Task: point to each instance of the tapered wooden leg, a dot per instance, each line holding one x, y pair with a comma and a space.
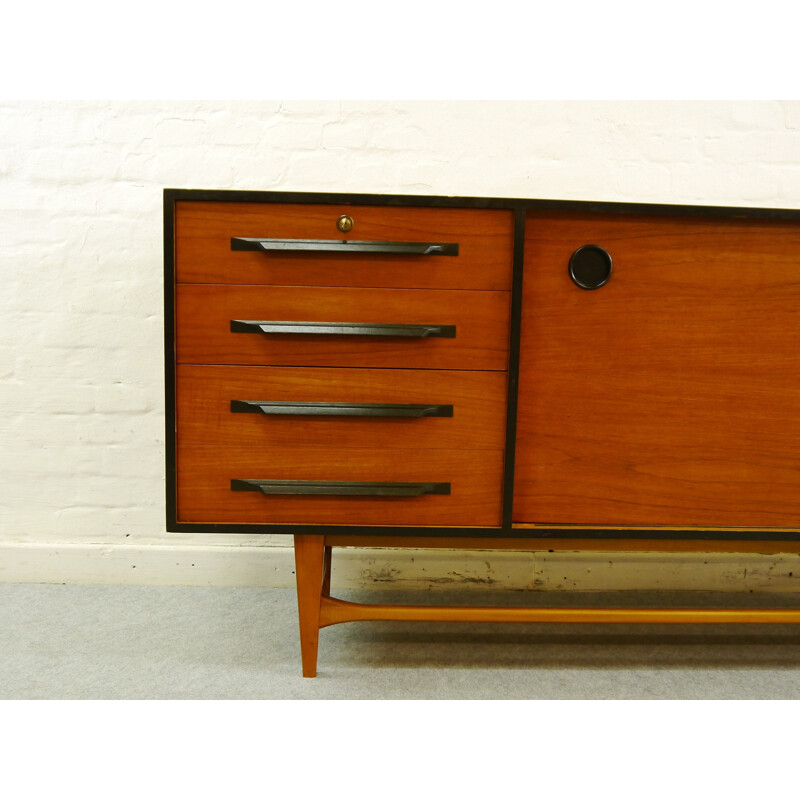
309, 551
326, 575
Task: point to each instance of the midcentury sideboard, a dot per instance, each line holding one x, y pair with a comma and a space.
482, 372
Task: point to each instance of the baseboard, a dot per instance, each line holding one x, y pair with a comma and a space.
147, 565
355, 568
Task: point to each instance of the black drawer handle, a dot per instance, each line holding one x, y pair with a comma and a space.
590, 267
340, 488
344, 329
275, 408
345, 246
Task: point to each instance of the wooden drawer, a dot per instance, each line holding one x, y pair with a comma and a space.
205, 472
458, 410
204, 255
480, 319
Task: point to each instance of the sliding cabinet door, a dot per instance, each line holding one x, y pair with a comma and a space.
670, 394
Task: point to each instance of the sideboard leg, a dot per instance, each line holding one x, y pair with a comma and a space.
326, 575
309, 561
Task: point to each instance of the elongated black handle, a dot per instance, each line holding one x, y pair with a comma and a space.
343, 246
276, 408
344, 329
340, 488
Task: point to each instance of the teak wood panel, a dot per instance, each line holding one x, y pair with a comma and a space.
203, 234
204, 313
671, 395
205, 496
205, 417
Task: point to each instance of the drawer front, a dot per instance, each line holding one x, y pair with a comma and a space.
318, 407
474, 481
474, 324
670, 395
204, 255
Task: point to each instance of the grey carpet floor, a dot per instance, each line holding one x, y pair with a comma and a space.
112, 642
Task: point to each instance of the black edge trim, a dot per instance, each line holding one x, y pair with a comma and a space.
500, 533
513, 365
322, 198
169, 360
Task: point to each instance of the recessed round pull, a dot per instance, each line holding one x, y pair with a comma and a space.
590, 266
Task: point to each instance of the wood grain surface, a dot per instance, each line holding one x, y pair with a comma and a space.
310, 557
205, 394
333, 611
529, 541
671, 396
203, 233
205, 496
204, 313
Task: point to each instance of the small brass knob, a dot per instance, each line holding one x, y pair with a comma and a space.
344, 223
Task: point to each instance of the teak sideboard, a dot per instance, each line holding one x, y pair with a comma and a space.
481, 372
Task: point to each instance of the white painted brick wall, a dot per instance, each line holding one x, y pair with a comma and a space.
81, 386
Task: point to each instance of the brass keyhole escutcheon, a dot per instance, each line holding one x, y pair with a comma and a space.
344, 223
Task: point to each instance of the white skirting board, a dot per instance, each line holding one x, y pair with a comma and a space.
354, 568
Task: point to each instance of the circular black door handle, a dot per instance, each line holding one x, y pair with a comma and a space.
590, 267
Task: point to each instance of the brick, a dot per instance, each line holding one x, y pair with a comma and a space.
714, 184
104, 491
347, 135
788, 181
254, 171
125, 125
29, 124
119, 398
773, 147
791, 114
297, 135
373, 174
318, 170
309, 108
672, 147
650, 182
756, 115
399, 134
180, 130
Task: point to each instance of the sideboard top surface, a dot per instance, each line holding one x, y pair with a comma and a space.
349, 198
